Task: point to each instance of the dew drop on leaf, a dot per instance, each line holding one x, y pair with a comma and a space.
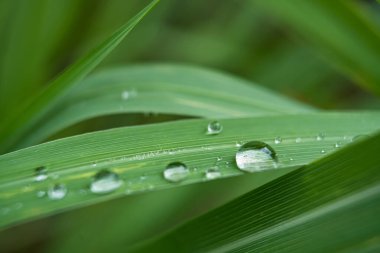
214, 127
320, 137
40, 194
213, 173
277, 140
176, 172
105, 181
57, 191
40, 174
256, 156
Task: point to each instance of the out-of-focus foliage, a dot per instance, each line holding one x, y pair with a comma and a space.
320, 53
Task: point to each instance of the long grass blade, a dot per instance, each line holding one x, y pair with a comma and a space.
140, 154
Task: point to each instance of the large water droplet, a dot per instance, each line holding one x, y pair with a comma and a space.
41, 174
214, 127
105, 181
256, 156
176, 172
58, 191
213, 173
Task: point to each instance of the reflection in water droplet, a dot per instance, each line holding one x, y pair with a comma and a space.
277, 140
256, 156
214, 127
41, 174
213, 173
176, 172
105, 181
320, 137
298, 139
58, 191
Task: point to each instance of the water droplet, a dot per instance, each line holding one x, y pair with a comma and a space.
320, 137
338, 144
239, 144
323, 151
256, 156
41, 174
127, 94
277, 140
213, 173
176, 172
218, 159
214, 127
40, 194
105, 181
58, 191
298, 139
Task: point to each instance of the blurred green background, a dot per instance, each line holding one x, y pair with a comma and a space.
249, 39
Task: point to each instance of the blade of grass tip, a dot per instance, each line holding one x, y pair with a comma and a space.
56, 91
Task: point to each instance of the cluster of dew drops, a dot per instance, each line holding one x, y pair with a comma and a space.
252, 156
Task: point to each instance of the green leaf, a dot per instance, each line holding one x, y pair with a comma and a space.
331, 205
140, 154
342, 31
45, 104
162, 88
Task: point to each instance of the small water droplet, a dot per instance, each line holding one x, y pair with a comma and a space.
40, 194
256, 156
41, 174
218, 159
213, 173
176, 172
128, 94
105, 181
298, 139
320, 137
57, 191
214, 127
323, 151
338, 144
239, 144
277, 140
